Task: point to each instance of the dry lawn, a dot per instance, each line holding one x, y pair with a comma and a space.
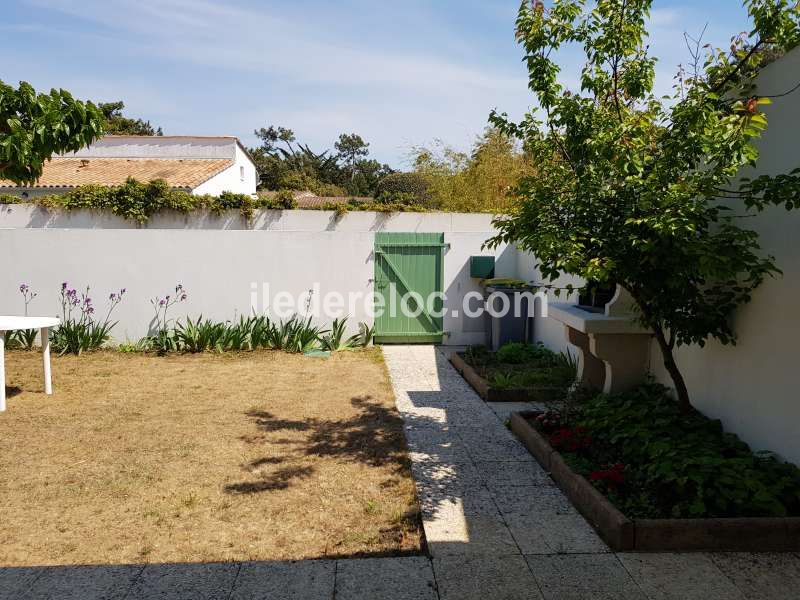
258, 456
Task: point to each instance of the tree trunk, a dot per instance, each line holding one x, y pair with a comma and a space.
672, 368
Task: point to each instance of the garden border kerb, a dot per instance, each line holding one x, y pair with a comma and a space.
757, 534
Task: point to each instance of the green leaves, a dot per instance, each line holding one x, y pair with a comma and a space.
683, 465
34, 127
138, 201
641, 190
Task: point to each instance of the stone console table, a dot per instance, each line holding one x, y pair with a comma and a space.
615, 348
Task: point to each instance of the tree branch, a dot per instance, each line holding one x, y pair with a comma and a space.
739, 66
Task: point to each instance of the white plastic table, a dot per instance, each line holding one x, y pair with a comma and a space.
14, 323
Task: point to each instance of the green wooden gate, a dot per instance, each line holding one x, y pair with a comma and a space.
409, 265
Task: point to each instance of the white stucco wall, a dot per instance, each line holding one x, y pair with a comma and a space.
752, 387
548, 331
240, 178
218, 258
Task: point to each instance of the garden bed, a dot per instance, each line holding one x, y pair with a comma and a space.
705, 493
516, 373
201, 458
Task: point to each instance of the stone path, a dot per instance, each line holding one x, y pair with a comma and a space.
496, 527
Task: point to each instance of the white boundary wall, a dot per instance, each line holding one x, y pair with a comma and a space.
218, 258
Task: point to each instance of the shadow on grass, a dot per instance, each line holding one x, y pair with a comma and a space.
279, 480
373, 437
13, 390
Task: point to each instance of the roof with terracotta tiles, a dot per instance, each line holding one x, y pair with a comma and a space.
73, 172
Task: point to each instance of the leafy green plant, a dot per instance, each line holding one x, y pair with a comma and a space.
37, 126
138, 201
676, 464
366, 334
281, 334
199, 335
305, 336
22, 338
517, 353
285, 200
79, 331
335, 340
231, 201
506, 381
142, 345
567, 362
261, 329
295, 335
195, 335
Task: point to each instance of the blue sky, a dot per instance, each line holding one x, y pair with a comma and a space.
398, 73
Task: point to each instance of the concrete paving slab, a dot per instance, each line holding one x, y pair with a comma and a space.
555, 534
405, 578
494, 432
285, 580
455, 453
583, 577
209, 581
495, 449
424, 438
425, 417
762, 576
106, 582
472, 416
679, 577
532, 500
512, 473
484, 578
436, 473
452, 498
15, 580
469, 535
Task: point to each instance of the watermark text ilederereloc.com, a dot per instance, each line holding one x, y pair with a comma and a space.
395, 301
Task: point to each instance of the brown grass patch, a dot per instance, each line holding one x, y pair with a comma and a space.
202, 458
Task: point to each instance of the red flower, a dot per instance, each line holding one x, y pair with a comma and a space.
613, 476
571, 440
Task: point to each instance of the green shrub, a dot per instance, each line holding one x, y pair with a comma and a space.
679, 465
232, 201
132, 200
329, 190
403, 188
138, 201
282, 200
297, 181
517, 353
285, 200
